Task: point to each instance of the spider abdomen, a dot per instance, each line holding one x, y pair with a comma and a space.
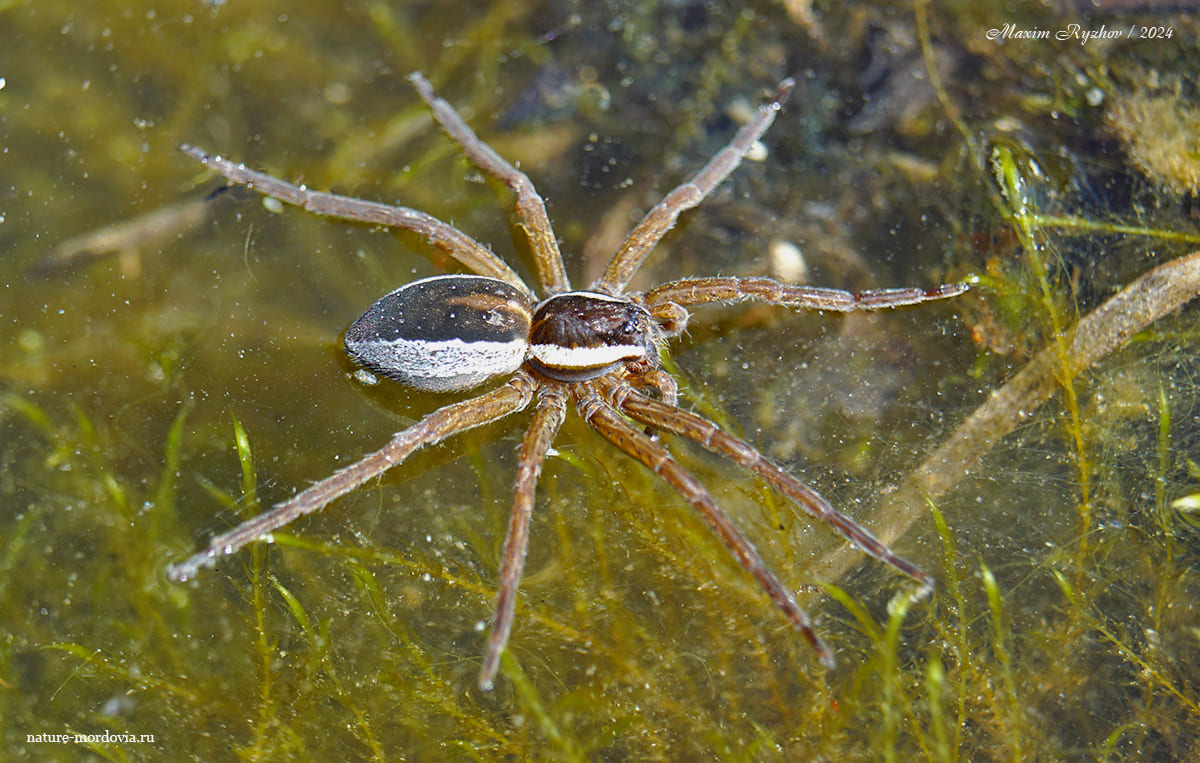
444, 333
581, 335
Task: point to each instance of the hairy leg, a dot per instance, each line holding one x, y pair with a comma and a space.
444, 236
662, 217
551, 409
435, 427
530, 208
601, 416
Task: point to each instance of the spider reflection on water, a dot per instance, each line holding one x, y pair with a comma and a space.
597, 347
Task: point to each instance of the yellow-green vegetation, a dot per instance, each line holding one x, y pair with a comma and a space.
1033, 444
1160, 126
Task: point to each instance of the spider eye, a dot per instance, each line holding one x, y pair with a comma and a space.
444, 333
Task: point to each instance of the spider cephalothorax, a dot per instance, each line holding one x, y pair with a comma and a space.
598, 347
581, 335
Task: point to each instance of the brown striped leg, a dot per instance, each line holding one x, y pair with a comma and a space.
708, 435
531, 210
551, 409
662, 218
452, 241
698, 291
601, 416
435, 427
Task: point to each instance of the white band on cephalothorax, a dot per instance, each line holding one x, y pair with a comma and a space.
557, 356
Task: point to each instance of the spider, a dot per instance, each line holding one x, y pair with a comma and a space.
598, 348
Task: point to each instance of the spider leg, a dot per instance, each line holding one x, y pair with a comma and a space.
662, 217
603, 417
531, 210
708, 435
551, 409
437, 426
642, 375
475, 256
697, 291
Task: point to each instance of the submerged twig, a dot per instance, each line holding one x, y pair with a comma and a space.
127, 237
1150, 297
